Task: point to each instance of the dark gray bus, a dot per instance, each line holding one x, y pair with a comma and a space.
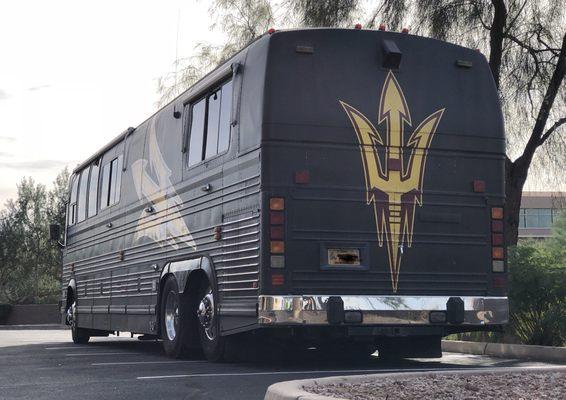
321, 187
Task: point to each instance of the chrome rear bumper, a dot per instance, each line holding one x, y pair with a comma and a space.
380, 310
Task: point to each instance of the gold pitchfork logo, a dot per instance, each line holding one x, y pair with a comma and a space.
394, 186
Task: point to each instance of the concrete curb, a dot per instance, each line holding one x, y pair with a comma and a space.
33, 327
520, 351
294, 390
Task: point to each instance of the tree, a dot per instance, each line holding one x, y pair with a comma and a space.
241, 20
525, 43
29, 261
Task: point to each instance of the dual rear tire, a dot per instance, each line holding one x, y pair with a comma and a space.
188, 320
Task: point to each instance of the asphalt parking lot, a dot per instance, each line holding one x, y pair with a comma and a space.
45, 364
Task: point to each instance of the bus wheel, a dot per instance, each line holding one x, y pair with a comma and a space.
212, 343
174, 320
79, 335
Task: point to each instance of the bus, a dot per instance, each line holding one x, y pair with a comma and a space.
329, 188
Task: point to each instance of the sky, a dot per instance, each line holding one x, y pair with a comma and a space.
75, 74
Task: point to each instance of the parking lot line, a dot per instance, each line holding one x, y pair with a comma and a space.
343, 371
92, 353
146, 362
354, 371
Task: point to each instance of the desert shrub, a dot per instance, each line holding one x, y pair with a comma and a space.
537, 295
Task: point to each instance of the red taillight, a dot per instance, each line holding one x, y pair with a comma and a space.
499, 282
302, 177
276, 218
479, 186
276, 232
497, 239
497, 213
277, 280
497, 226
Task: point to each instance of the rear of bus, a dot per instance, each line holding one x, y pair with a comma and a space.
383, 187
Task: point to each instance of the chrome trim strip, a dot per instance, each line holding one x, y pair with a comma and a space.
380, 310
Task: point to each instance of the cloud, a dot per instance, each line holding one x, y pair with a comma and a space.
34, 165
3, 94
38, 87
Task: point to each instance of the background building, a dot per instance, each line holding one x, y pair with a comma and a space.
538, 211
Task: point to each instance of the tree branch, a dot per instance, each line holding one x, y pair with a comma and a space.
549, 132
546, 106
496, 35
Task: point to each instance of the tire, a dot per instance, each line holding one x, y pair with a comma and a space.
79, 335
213, 345
175, 320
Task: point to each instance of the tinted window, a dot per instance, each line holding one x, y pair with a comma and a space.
83, 191
105, 186
72, 212
111, 183
212, 119
115, 181
93, 190
210, 125
225, 114
197, 132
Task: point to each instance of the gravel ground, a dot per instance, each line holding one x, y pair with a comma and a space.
515, 386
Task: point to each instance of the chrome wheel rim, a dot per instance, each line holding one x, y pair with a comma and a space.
172, 315
206, 315
72, 315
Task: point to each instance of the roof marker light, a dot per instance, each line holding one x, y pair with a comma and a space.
271, 30
381, 27
405, 30
358, 26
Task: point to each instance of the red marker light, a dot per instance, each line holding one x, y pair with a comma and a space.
271, 31
381, 27
405, 30
358, 26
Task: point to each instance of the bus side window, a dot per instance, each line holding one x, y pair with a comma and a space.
72, 211
196, 132
93, 190
81, 203
225, 116
111, 182
210, 125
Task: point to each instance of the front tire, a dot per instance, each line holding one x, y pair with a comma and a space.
79, 335
175, 320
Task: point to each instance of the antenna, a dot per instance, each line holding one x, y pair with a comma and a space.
177, 49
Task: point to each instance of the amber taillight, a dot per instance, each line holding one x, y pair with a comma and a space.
497, 240
277, 238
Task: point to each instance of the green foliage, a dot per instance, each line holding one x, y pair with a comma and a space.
29, 261
538, 290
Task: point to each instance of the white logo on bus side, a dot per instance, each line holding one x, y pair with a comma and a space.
174, 231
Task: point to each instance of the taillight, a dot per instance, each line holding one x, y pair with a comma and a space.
497, 240
277, 237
